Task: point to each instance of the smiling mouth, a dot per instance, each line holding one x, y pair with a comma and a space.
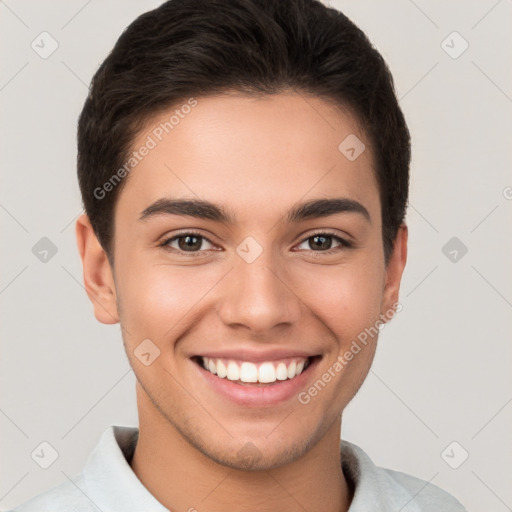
247, 373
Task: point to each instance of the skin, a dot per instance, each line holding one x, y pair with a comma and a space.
257, 158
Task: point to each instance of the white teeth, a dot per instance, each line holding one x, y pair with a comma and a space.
221, 369
281, 372
233, 371
266, 372
291, 369
248, 372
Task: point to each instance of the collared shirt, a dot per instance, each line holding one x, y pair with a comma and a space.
108, 484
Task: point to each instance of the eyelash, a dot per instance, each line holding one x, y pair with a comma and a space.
344, 244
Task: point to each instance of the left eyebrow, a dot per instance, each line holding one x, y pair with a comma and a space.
324, 207
201, 209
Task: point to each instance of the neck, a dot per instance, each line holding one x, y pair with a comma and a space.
182, 478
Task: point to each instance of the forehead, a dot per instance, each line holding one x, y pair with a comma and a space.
251, 155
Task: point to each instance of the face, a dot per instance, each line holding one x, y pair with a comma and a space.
283, 267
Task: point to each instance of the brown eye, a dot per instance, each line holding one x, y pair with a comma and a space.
320, 242
186, 243
323, 242
190, 242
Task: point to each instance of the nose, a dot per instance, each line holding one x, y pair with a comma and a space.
259, 297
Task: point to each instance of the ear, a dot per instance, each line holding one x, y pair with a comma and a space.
97, 273
394, 271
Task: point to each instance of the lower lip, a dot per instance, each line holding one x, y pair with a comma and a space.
258, 396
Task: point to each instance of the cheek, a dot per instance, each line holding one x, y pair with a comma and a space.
156, 298
347, 304
346, 298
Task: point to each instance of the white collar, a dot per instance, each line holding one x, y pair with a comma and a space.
112, 485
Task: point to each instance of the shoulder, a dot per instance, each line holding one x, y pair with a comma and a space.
383, 489
426, 495
66, 497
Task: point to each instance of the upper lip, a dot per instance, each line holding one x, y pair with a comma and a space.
256, 356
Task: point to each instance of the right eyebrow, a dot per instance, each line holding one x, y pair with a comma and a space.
188, 207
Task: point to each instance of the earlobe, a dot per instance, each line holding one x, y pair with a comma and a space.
97, 273
394, 271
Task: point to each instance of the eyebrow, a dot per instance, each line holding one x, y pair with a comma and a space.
202, 209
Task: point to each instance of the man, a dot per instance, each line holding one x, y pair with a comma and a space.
244, 169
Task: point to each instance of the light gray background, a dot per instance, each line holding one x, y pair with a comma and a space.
442, 370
